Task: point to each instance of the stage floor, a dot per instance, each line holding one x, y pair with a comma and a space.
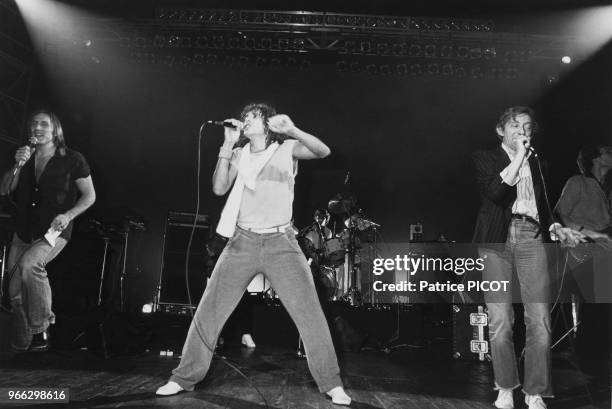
416, 377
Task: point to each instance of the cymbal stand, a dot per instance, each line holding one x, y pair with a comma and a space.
99, 327
106, 241
126, 234
353, 295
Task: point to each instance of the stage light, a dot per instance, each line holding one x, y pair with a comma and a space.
399, 49
475, 53
490, 53
366, 47
382, 48
416, 69
201, 42
349, 47
249, 43
566, 59
430, 51
299, 44
477, 73
414, 50
463, 52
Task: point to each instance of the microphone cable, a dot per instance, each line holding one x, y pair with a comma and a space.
200, 330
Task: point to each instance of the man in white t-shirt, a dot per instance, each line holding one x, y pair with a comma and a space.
258, 162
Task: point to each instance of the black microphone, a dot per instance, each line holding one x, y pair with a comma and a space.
225, 124
32, 146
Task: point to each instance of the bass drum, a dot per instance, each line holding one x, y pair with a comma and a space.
333, 252
328, 284
259, 284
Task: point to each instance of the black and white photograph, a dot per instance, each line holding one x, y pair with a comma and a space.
306, 204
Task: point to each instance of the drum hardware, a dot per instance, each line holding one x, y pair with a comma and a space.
301, 351
117, 223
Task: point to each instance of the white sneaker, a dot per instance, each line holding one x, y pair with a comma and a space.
171, 388
535, 402
338, 396
247, 341
504, 400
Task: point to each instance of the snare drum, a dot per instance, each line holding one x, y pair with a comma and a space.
333, 252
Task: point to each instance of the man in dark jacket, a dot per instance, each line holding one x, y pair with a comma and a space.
512, 227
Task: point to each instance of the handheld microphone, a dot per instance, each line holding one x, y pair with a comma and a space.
225, 124
530, 149
32, 146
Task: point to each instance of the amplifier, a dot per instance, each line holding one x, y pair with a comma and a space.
171, 290
470, 332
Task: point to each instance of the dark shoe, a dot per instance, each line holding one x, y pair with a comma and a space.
40, 342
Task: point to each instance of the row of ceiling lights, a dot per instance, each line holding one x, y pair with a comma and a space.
349, 47
354, 21
432, 69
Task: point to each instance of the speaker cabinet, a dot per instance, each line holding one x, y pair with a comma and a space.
172, 283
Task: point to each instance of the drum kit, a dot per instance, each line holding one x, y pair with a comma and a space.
333, 254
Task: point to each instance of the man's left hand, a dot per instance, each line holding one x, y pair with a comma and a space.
281, 124
60, 222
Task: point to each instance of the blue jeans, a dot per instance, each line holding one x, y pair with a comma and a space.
29, 289
279, 258
526, 254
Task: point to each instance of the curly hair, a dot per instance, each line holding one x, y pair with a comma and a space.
265, 111
58, 133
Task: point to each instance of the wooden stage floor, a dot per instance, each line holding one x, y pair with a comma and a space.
403, 379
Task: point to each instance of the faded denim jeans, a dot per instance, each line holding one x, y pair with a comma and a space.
279, 258
29, 289
525, 253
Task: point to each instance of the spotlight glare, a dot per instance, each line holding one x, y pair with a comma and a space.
566, 59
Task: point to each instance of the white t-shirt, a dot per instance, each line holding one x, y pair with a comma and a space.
271, 203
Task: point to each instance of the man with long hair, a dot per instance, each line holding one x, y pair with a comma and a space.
51, 185
261, 164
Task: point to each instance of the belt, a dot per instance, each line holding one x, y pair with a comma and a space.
276, 229
525, 218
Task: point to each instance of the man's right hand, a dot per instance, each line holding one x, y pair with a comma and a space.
522, 144
232, 134
23, 154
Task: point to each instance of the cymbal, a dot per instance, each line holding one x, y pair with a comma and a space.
340, 204
359, 222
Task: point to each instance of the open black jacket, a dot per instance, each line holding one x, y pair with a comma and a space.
497, 197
